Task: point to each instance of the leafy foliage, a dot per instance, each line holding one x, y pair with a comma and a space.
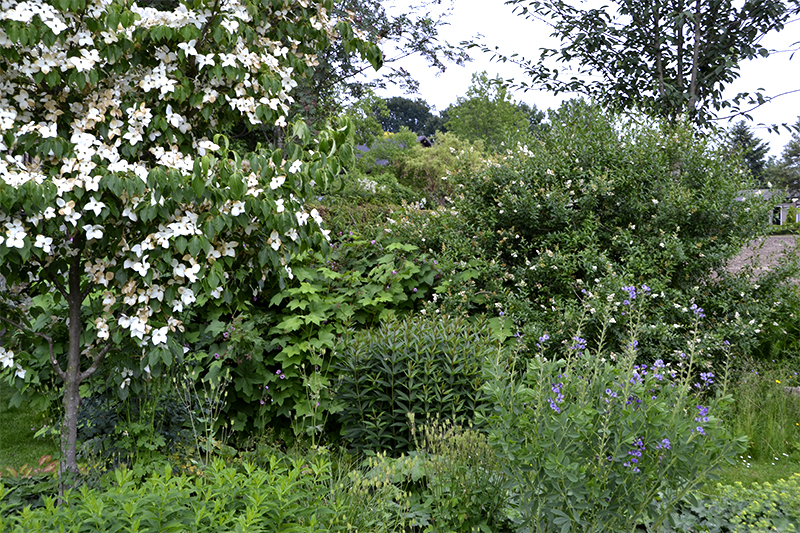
760, 507
414, 32
766, 409
464, 485
589, 201
416, 368
285, 494
280, 356
785, 172
488, 113
415, 115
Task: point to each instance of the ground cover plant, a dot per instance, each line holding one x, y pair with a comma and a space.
758, 507
282, 495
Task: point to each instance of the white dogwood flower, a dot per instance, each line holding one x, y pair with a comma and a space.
6, 357
44, 243
274, 240
276, 182
160, 336
93, 231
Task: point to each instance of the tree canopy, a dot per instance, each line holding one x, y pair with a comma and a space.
785, 171
415, 115
488, 112
414, 32
752, 149
668, 57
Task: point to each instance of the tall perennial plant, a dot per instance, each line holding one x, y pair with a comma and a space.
596, 440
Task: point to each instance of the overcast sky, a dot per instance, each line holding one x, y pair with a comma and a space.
500, 27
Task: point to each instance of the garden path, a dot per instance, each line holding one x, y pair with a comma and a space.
766, 252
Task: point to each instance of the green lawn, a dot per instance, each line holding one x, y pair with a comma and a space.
17, 427
759, 472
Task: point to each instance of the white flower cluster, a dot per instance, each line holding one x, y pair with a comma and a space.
108, 102
127, 121
7, 361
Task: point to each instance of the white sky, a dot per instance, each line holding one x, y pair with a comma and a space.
500, 27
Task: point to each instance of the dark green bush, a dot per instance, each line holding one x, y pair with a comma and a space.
418, 367
605, 200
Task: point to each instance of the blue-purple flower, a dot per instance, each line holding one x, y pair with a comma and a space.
580, 344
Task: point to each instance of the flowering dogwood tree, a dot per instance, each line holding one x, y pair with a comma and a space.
116, 197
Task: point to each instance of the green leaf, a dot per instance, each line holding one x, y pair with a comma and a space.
290, 324
198, 186
195, 245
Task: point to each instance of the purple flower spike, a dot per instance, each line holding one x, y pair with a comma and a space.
697, 311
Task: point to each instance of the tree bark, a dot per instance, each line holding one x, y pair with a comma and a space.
698, 41
72, 381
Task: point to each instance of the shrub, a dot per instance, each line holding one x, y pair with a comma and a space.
597, 196
416, 366
279, 352
600, 198
386, 150
432, 170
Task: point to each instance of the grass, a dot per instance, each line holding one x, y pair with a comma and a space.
18, 446
767, 413
748, 472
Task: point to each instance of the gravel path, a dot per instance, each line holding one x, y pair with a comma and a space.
765, 252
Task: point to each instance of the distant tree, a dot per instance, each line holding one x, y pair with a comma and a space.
753, 150
488, 113
785, 172
668, 57
366, 114
536, 118
791, 152
413, 114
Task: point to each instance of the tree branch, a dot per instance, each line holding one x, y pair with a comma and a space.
46, 337
657, 43
85, 292
96, 361
695, 58
766, 101
679, 53
59, 286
